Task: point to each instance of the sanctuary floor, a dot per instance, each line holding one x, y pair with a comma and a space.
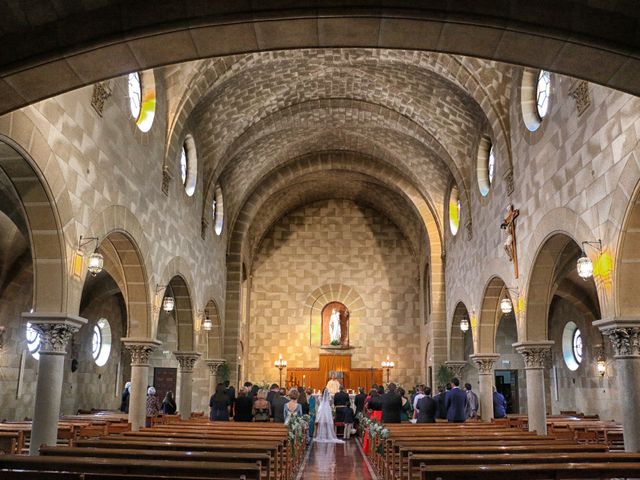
329, 461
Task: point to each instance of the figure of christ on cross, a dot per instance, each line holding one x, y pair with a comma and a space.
510, 246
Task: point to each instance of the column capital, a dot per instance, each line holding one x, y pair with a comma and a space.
534, 353
55, 329
624, 335
456, 366
484, 362
187, 360
214, 364
140, 349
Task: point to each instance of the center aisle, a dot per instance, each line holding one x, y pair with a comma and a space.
330, 461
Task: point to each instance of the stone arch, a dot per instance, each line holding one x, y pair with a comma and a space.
550, 261
334, 292
458, 339
119, 230
50, 289
179, 289
627, 278
490, 314
514, 35
214, 337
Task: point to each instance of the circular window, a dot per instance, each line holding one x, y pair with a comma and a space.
101, 342
485, 166
33, 341
135, 94
543, 92
572, 346
218, 210
454, 210
189, 165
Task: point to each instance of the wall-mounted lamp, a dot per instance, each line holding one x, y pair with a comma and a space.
168, 302
96, 260
601, 362
207, 324
584, 263
505, 304
464, 325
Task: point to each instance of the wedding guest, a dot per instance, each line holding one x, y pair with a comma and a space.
126, 394
406, 411
220, 405
359, 400
341, 401
169, 404
153, 405
419, 393
441, 403
472, 402
391, 405
278, 402
427, 408
292, 407
244, 406
312, 411
456, 402
261, 407
499, 404
275, 388
303, 401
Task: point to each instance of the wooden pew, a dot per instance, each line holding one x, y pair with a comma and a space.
536, 471
130, 466
11, 442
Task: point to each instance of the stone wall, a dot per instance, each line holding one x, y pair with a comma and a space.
335, 242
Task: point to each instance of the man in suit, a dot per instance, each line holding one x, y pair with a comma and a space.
359, 400
391, 405
341, 401
275, 388
278, 402
456, 403
472, 401
426, 407
441, 403
499, 404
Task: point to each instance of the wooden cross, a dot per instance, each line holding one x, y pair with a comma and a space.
510, 245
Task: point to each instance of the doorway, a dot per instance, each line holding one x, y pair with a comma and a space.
165, 379
507, 385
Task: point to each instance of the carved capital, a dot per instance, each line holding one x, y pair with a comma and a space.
214, 364
187, 360
55, 330
485, 362
624, 335
534, 354
456, 367
140, 349
580, 93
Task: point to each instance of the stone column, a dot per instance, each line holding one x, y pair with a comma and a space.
140, 349
535, 354
484, 362
625, 338
456, 367
213, 364
186, 361
55, 332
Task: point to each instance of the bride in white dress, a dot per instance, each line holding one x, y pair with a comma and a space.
324, 421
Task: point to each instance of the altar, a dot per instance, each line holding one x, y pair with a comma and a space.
340, 364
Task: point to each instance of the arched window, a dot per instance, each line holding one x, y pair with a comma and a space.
454, 210
101, 342
33, 341
142, 99
535, 95
218, 210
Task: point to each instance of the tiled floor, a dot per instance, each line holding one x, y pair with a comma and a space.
330, 461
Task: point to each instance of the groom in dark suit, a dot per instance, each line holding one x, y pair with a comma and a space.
391, 405
341, 401
456, 403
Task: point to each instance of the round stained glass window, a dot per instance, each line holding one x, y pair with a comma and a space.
101, 342
135, 94
33, 341
543, 92
572, 346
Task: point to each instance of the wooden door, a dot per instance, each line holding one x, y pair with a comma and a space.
165, 379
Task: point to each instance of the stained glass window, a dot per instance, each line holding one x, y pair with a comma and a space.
543, 92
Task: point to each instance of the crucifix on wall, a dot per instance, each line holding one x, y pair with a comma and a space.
510, 245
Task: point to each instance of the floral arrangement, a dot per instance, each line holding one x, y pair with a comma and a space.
375, 429
335, 343
297, 426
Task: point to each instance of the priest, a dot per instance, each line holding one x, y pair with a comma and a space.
333, 385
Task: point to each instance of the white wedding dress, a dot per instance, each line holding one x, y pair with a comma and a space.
325, 432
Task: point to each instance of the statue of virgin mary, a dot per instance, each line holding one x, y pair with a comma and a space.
335, 333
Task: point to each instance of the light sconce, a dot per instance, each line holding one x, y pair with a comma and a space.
505, 304
464, 325
584, 264
601, 363
207, 324
168, 302
96, 260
